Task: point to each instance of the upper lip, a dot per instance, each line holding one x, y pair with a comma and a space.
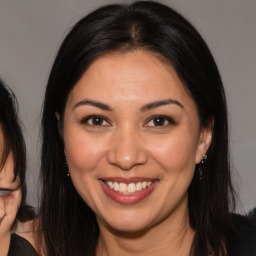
128, 180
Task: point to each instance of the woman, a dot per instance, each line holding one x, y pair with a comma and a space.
12, 178
135, 157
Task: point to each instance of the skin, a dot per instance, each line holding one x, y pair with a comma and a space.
130, 142
9, 205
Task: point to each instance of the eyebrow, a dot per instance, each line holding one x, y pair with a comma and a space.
146, 107
160, 103
93, 103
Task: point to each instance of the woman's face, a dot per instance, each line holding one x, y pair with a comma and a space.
132, 139
7, 172
10, 192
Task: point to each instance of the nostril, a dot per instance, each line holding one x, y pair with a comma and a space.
127, 157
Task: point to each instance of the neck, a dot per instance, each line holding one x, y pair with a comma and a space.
173, 236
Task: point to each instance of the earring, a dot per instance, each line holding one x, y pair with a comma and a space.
204, 156
66, 165
200, 168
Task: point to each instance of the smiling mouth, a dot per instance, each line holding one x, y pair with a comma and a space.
129, 188
128, 191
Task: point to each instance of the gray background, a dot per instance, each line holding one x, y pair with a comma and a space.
31, 31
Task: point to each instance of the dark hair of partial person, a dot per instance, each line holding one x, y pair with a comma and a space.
14, 142
69, 225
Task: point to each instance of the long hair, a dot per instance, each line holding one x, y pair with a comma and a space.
14, 142
69, 226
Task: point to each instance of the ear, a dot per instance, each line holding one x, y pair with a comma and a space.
60, 128
57, 115
205, 140
59, 124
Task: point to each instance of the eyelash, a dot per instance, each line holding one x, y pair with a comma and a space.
101, 119
87, 119
5, 192
167, 119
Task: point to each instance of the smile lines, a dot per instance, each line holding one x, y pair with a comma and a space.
130, 188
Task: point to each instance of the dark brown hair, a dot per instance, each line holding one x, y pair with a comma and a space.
69, 225
14, 142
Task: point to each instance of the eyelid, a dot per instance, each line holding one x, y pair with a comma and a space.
87, 118
5, 192
168, 118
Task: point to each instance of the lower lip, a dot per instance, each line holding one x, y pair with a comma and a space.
127, 198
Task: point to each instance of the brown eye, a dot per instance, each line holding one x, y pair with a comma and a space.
160, 121
95, 121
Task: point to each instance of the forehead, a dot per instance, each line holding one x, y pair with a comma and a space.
137, 75
2, 146
7, 168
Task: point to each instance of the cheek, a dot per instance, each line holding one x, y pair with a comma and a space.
176, 153
176, 159
83, 153
14, 195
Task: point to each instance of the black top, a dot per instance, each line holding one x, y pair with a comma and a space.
242, 237
19, 246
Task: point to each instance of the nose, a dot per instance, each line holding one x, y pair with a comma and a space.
127, 150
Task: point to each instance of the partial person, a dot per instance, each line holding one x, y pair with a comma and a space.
135, 147
13, 208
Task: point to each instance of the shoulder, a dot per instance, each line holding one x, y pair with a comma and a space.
242, 235
20, 246
252, 216
25, 231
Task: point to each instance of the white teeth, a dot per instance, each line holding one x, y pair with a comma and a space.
110, 184
138, 186
116, 186
122, 188
130, 188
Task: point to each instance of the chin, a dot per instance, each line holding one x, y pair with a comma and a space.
127, 230
127, 224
